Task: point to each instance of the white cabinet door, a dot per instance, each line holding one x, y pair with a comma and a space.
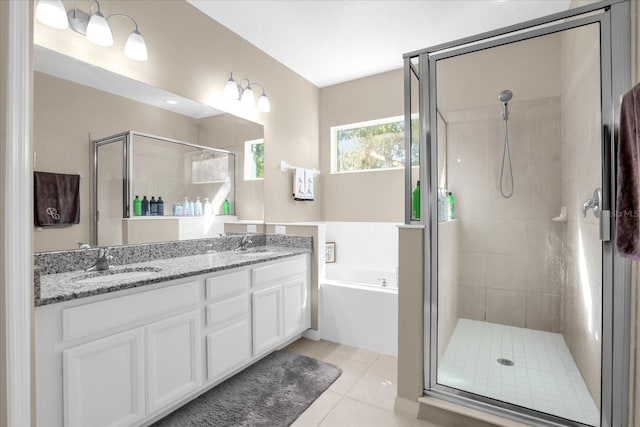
228, 348
295, 306
173, 359
267, 318
104, 381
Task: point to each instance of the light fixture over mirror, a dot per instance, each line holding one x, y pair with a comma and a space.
93, 25
243, 92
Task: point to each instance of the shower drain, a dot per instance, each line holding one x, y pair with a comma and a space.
505, 362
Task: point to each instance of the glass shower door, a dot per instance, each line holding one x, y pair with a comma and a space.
519, 297
109, 192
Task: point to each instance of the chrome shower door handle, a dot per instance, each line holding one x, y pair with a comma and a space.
595, 202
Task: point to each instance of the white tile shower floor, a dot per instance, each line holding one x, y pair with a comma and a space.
543, 377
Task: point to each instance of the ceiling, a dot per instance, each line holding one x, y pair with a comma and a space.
333, 41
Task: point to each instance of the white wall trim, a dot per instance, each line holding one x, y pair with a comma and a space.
18, 274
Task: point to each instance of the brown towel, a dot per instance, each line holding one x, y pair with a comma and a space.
628, 197
56, 199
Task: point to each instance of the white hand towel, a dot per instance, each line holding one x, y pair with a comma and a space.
309, 174
299, 183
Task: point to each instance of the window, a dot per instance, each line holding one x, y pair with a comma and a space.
254, 159
367, 146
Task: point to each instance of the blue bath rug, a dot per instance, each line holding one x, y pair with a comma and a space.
273, 392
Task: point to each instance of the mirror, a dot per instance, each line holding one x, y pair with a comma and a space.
75, 103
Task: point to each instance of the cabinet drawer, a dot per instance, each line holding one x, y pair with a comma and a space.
222, 312
227, 284
88, 319
277, 272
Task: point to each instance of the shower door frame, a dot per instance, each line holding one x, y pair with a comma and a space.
613, 18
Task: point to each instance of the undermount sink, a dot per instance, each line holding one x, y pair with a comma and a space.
116, 274
258, 251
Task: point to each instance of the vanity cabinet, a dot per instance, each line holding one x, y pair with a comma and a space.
129, 357
172, 359
280, 307
104, 381
228, 318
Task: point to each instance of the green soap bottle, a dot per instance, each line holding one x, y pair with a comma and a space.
226, 207
137, 206
415, 202
450, 204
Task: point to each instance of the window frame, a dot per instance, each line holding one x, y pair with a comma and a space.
248, 159
334, 142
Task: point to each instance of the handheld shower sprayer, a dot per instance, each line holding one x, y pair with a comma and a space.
504, 97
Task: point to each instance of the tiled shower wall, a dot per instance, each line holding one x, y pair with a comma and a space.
581, 174
510, 250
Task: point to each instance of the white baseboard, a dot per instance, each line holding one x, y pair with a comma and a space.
311, 334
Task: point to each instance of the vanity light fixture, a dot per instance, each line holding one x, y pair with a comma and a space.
243, 92
93, 25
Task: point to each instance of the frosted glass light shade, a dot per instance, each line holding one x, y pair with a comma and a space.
52, 14
98, 30
248, 98
231, 90
263, 104
136, 48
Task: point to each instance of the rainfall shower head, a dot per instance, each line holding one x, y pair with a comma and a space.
505, 96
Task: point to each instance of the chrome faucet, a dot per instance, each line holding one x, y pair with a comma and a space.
244, 242
102, 261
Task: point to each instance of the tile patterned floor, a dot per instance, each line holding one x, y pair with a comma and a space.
363, 396
544, 376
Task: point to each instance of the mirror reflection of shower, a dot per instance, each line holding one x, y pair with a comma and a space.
504, 97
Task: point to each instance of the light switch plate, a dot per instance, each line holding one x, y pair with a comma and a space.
251, 228
281, 229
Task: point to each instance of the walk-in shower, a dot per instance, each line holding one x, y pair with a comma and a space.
518, 302
504, 97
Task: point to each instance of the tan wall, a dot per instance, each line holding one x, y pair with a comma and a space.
581, 174
4, 26
191, 55
410, 313
365, 196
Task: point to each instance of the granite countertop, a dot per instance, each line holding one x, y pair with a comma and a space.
58, 287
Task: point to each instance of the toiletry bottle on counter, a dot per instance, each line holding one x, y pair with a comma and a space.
160, 206
415, 202
179, 210
207, 207
226, 207
137, 206
153, 206
145, 206
185, 208
192, 208
450, 205
198, 207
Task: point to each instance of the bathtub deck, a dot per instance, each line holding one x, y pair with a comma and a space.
544, 376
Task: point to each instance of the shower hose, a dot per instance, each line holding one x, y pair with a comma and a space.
506, 155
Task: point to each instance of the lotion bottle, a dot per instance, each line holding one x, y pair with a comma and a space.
145, 206
198, 207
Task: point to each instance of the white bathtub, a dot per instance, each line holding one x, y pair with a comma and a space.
357, 310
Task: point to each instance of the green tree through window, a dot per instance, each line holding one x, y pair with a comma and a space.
374, 146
